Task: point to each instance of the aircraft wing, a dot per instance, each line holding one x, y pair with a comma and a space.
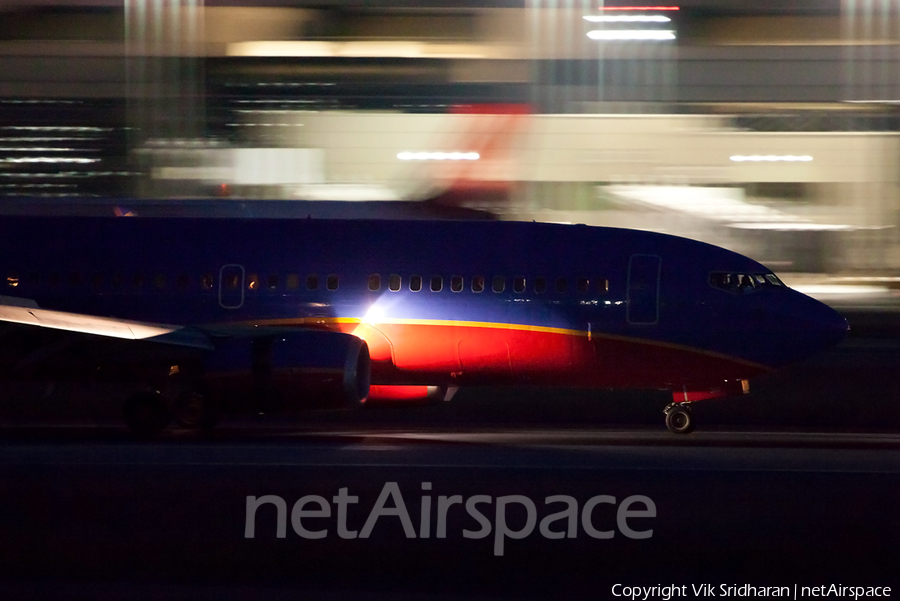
26, 311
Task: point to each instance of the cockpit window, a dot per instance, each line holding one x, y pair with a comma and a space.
743, 283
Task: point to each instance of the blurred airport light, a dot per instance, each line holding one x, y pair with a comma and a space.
438, 156
410, 49
626, 19
771, 130
724, 205
640, 8
632, 34
770, 158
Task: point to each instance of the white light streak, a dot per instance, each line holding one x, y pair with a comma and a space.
358, 49
438, 156
45, 139
50, 160
725, 205
793, 226
654, 35
656, 8
70, 174
837, 289
627, 19
77, 128
35, 149
770, 158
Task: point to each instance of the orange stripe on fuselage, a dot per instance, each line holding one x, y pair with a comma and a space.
429, 351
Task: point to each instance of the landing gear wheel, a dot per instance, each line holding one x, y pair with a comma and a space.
193, 410
679, 419
146, 414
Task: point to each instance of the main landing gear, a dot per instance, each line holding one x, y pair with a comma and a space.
679, 419
148, 413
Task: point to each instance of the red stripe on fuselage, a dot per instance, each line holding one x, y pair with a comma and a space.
461, 353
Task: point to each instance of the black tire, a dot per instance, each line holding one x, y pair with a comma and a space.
146, 414
194, 410
679, 420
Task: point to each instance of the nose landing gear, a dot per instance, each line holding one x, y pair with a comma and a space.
679, 419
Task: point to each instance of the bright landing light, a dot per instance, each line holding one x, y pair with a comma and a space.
374, 315
632, 34
438, 156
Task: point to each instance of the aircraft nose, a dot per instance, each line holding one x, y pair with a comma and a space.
822, 326
832, 325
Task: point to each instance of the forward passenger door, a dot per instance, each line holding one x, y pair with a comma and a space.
643, 289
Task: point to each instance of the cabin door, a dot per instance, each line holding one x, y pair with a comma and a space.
231, 286
643, 289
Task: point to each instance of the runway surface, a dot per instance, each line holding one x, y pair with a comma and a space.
88, 513
796, 483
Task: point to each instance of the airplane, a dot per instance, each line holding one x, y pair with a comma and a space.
208, 311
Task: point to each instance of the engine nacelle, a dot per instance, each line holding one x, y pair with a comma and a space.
292, 369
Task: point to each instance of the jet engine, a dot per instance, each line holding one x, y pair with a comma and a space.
289, 369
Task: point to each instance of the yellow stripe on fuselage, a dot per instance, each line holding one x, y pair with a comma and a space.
326, 321
306, 321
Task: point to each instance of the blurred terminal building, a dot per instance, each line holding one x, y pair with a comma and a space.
770, 127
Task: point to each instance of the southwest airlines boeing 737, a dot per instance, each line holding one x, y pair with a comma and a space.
279, 311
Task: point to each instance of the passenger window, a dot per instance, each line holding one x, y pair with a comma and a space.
182, 281
312, 281
252, 282
116, 280
272, 281
53, 279
97, 280
456, 283
602, 285
12, 280
331, 282
499, 283
437, 283
32, 279
75, 278
415, 283
292, 282
561, 285
138, 280
160, 281
374, 282
519, 285
207, 281
394, 282
540, 285
582, 285
478, 283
